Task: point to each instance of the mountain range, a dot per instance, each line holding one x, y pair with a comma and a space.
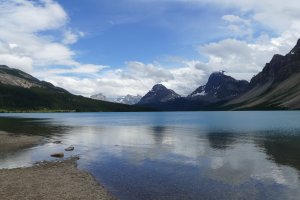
276, 87
219, 88
128, 99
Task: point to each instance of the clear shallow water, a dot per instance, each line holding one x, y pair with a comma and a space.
175, 155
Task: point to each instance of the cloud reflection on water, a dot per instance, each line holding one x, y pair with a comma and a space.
257, 161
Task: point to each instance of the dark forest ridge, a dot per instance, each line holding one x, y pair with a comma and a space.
21, 92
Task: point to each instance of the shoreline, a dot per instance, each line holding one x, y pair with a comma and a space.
13, 142
46, 180
51, 180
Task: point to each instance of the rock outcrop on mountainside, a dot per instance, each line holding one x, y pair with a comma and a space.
277, 86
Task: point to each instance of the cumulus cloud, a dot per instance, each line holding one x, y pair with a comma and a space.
258, 30
24, 42
274, 14
238, 26
134, 78
71, 37
243, 59
22, 62
187, 77
31, 17
147, 71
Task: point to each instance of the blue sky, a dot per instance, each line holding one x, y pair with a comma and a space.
121, 47
119, 31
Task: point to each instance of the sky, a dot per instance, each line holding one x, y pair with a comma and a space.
120, 47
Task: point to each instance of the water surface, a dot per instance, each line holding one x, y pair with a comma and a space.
172, 155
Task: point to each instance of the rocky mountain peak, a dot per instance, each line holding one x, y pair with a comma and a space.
219, 87
279, 68
158, 87
215, 80
159, 93
4, 67
276, 58
296, 49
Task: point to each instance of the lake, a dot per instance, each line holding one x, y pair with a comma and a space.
172, 155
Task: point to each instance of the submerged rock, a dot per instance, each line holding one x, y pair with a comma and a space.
57, 142
70, 148
58, 155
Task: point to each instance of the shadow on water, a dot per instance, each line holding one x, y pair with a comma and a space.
222, 140
159, 133
282, 150
31, 126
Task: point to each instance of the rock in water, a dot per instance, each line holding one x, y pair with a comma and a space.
70, 148
58, 155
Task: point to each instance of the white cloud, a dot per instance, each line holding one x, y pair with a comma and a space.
187, 77
234, 19
147, 71
275, 14
22, 62
134, 78
259, 29
244, 59
71, 37
31, 17
82, 86
238, 26
82, 69
25, 43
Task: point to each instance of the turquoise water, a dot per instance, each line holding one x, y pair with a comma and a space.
172, 155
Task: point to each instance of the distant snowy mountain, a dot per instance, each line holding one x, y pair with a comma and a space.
128, 99
99, 96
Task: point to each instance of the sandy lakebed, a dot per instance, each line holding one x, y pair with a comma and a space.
60, 179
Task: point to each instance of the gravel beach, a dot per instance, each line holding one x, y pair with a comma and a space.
59, 179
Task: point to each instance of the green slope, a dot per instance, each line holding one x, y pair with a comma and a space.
18, 99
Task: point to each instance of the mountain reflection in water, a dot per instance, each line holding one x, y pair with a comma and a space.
212, 155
